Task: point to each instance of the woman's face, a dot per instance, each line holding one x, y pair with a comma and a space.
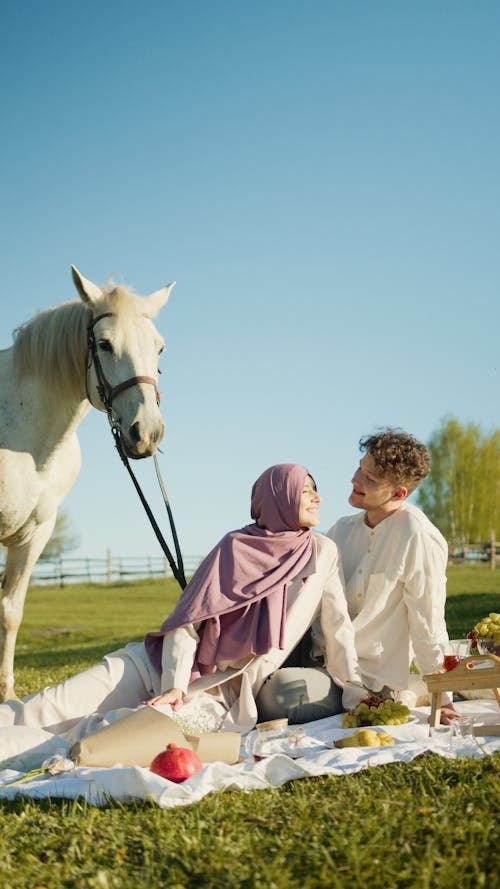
309, 505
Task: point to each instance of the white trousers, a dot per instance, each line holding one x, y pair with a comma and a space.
123, 679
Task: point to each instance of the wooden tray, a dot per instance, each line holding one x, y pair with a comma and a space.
470, 673
485, 731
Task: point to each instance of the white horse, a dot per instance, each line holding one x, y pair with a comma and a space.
100, 350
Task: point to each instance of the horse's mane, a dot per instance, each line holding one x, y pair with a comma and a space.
53, 344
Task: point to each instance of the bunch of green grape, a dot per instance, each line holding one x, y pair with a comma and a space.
387, 712
487, 628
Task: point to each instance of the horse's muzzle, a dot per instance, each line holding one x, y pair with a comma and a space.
138, 445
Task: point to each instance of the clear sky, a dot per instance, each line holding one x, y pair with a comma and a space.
321, 178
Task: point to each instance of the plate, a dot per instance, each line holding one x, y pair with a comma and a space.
388, 725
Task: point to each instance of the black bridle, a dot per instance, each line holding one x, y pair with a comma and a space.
107, 393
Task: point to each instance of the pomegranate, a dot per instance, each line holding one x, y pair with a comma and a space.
176, 763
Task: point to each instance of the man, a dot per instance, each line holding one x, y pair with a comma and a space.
394, 561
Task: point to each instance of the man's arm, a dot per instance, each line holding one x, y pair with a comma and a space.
425, 596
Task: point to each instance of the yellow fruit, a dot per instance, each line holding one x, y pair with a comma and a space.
363, 737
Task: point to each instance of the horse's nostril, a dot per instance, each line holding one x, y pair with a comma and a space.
134, 432
157, 435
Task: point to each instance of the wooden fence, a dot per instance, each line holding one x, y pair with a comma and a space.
476, 552
65, 569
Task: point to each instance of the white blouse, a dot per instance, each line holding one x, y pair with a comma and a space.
238, 683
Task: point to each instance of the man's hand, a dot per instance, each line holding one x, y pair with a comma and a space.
448, 714
174, 697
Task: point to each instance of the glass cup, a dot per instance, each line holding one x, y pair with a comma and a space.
464, 741
441, 736
488, 646
460, 647
457, 650
464, 726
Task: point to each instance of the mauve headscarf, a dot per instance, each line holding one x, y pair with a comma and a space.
239, 590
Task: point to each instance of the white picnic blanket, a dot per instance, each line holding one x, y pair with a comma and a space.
315, 756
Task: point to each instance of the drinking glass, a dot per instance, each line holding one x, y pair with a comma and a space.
464, 741
460, 647
456, 650
441, 736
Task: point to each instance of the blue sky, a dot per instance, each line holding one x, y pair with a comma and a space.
322, 181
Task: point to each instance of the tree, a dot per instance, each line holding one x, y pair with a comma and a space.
462, 493
63, 538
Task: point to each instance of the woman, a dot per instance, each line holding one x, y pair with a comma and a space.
245, 609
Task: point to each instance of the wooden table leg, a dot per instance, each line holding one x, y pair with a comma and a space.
435, 716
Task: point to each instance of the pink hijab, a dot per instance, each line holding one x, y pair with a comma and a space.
239, 590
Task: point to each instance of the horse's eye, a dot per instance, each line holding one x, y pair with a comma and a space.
105, 346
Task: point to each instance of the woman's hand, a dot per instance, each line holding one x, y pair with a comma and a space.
174, 697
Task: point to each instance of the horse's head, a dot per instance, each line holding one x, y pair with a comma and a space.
122, 368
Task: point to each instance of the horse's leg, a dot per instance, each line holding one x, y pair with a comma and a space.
21, 560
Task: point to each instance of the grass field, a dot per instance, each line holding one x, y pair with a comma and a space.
429, 824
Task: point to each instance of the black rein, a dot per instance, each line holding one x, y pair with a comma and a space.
107, 393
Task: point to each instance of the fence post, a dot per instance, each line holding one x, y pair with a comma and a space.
493, 551
60, 568
109, 566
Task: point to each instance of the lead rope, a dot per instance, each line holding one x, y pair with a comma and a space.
106, 396
177, 568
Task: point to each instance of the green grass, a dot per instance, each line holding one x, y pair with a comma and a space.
429, 824
472, 593
67, 630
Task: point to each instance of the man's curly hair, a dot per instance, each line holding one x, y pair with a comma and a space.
398, 455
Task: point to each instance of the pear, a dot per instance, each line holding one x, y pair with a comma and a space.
365, 737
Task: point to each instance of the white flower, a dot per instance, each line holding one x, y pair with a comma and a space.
198, 723
57, 764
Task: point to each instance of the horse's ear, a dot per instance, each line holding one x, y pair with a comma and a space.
154, 302
89, 292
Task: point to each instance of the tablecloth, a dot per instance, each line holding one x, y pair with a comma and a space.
317, 756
